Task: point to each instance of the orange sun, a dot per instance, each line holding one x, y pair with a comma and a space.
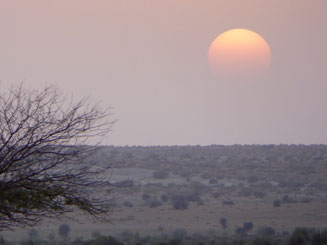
239, 52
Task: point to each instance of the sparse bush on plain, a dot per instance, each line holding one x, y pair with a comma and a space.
179, 202
194, 197
124, 183
77, 241
306, 200
245, 192
127, 236
248, 226
212, 181
33, 234
179, 234
186, 174
259, 194
287, 199
319, 238
277, 203
161, 228
228, 202
95, 234
253, 179
164, 197
300, 236
175, 242
266, 231
240, 231
154, 203
216, 195
63, 231
146, 196
128, 204
2, 241
223, 222
103, 240
206, 175
160, 174
198, 188
51, 238
200, 202
261, 241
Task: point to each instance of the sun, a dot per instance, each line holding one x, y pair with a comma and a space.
238, 53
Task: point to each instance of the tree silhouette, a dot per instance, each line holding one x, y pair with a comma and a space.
45, 167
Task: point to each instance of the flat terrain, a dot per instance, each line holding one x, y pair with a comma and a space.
161, 189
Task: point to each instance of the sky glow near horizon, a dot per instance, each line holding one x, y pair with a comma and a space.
148, 60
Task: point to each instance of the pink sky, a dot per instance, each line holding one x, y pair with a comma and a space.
148, 60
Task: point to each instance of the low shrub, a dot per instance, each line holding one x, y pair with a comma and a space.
160, 174
216, 195
164, 197
63, 231
287, 199
259, 194
260, 241
154, 203
248, 226
266, 231
299, 236
212, 181
102, 240
179, 202
128, 204
223, 222
240, 231
228, 202
277, 203
146, 196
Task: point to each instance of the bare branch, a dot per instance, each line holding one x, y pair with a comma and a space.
43, 152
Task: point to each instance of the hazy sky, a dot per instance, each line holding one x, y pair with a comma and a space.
148, 60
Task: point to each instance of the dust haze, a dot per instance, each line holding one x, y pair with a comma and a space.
192, 158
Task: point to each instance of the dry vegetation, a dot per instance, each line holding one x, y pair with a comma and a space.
221, 190
192, 187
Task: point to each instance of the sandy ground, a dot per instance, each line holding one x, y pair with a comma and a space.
195, 219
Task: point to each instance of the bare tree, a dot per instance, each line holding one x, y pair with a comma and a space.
45, 164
